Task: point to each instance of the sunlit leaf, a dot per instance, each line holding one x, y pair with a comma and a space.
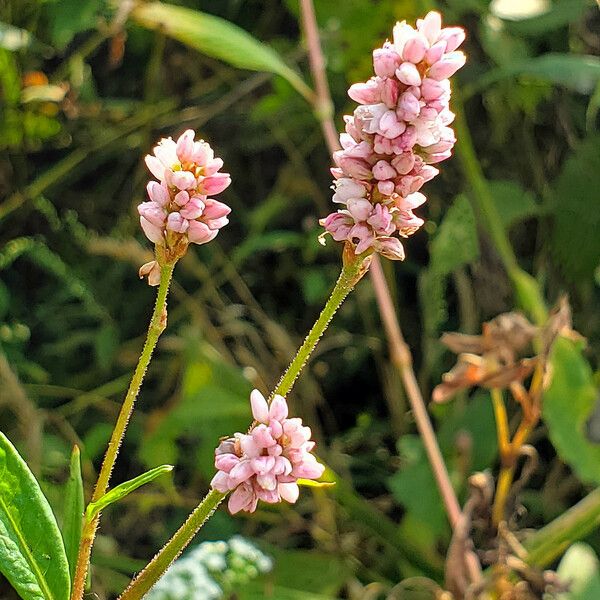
568, 404
216, 37
124, 489
32, 554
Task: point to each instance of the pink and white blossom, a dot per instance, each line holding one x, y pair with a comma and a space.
179, 210
266, 463
398, 131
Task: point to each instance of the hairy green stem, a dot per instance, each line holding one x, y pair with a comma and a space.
353, 269
173, 548
526, 287
157, 326
547, 544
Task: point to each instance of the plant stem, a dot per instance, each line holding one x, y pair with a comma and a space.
501, 422
173, 548
352, 271
156, 327
548, 543
526, 287
323, 105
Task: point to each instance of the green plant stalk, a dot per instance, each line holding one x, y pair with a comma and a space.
157, 326
173, 548
353, 269
548, 543
526, 287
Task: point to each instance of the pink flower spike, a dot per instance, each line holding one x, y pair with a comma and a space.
213, 209
260, 408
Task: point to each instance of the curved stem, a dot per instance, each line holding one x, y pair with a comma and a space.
173, 548
352, 271
157, 326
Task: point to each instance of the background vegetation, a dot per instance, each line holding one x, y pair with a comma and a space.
86, 89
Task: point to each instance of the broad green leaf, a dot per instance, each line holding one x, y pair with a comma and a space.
579, 570
124, 489
216, 37
579, 72
67, 18
514, 204
575, 211
32, 554
73, 513
568, 404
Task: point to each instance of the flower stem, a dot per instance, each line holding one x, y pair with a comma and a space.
353, 270
157, 326
173, 548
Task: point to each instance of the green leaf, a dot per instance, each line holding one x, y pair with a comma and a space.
514, 204
73, 514
124, 489
69, 17
32, 554
578, 72
576, 218
568, 404
218, 38
579, 570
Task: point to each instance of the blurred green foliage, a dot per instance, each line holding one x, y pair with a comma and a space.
85, 91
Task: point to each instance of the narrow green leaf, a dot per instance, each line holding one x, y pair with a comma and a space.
124, 489
74, 506
568, 405
315, 484
32, 554
218, 38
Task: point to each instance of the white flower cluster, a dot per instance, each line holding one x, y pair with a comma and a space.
211, 570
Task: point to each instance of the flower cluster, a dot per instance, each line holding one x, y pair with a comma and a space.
179, 210
396, 135
266, 463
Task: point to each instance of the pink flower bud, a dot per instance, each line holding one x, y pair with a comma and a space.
435, 52
365, 93
453, 36
404, 163
153, 233
352, 167
153, 213
431, 89
385, 61
390, 126
158, 193
408, 74
383, 170
152, 271
408, 107
359, 208
193, 209
447, 66
389, 92
415, 48
185, 146
176, 222
390, 247
386, 188
181, 198
200, 233
214, 184
213, 209
431, 26
347, 188
182, 180
260, 408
